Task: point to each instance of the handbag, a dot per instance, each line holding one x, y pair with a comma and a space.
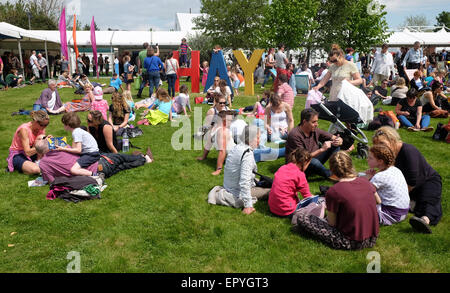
130, 77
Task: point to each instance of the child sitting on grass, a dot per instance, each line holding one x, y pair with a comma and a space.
289, 180
163, 113
129, 99
392, 195
181, 102
83, 144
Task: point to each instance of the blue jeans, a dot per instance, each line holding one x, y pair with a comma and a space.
153, 80
268, 154
425, 122
316, 166
266, 78
171, 79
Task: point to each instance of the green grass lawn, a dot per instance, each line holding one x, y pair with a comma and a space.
156, 218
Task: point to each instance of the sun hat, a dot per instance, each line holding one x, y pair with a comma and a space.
98, 93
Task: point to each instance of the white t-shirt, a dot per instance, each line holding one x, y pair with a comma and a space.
309, 74
33, 58
279, 60
88, 142
392, 188
171, 66
51, 103
182, 100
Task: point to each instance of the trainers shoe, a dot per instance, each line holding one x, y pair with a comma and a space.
413, 129
333, 178
420, 225
427, 129
137, 153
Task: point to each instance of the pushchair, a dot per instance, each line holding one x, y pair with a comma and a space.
339, 113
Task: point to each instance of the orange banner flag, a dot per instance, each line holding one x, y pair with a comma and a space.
74, 34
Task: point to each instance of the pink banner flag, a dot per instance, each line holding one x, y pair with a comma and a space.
94, 46
62, 33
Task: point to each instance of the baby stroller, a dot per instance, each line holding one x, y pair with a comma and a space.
339, 113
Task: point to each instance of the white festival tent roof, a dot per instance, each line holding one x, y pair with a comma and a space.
406, 37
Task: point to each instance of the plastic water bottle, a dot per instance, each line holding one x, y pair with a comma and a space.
397, 124
125, 143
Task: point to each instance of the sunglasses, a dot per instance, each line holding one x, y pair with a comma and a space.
217, 80
222, 103
89, 121
333, 60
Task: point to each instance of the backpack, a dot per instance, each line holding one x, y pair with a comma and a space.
381, 120
440, 133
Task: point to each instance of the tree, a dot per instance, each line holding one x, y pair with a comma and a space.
87, 27
443, 19
233, 23
348, 23
202, 43
16, 14
416, 20
291, 22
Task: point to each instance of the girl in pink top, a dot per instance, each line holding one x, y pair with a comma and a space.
285, 91
99, 103
22, 153
289, 180
204, 69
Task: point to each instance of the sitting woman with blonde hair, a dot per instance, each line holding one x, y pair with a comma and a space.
352, 218
424, 183
398, 91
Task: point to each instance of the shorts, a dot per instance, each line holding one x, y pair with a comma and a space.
19, 159
88, 159
36, 72
183, 58
236, 84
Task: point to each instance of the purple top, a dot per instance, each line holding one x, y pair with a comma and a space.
58, 163
46, 96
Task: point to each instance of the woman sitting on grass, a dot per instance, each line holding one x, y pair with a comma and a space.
392, 191
219, 136
352, 219
409, 112
279, 119
119, 112
103, 132
289, 180
424, 183
435, 102
22, 154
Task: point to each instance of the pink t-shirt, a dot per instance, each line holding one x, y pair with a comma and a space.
56, 164
102, 106
288, 181
286, 94
16, 144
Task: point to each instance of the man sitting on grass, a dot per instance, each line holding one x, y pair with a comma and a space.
55, 163
239, 190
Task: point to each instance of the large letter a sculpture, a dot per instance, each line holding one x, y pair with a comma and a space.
217, 65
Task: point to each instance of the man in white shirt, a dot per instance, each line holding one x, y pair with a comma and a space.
383, 65
34, 66
280, 64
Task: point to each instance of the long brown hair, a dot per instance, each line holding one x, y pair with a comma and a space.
119, 104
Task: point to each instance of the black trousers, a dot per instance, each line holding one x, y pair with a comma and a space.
428, 200
119, 162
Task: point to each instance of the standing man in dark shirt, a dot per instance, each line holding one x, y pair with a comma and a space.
307, 135
100, 64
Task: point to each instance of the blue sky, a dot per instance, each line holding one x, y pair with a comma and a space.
160, 15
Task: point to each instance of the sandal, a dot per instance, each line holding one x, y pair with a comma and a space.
420, 225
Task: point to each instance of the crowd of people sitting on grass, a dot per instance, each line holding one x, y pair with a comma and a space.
398, 179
